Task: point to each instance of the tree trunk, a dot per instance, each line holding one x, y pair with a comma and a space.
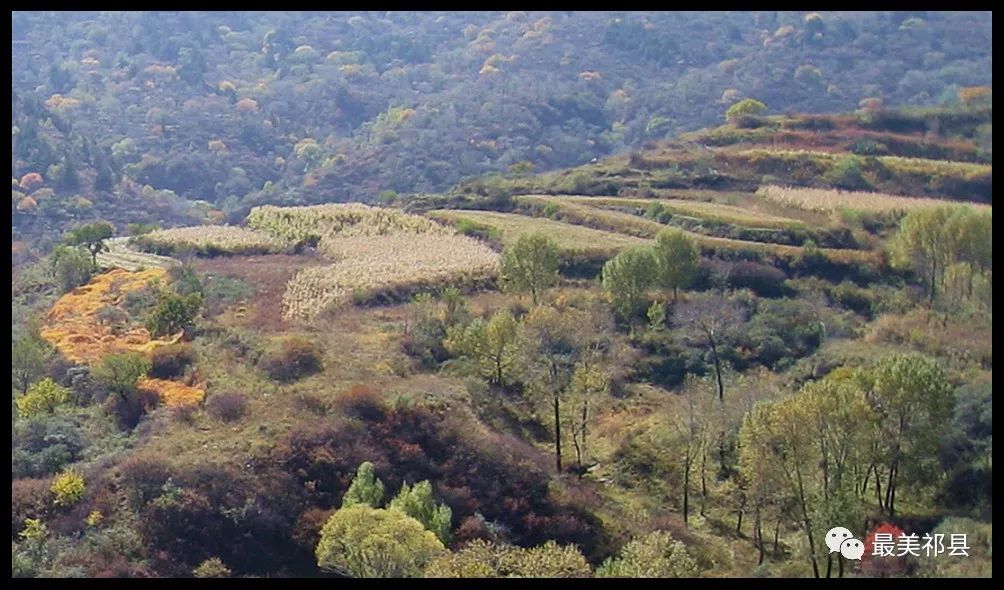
585, 419
892, 491
807, 523
718, 369
557, 433
829, 564
686, 489
704, 482
777, 531
878, 489
758, 531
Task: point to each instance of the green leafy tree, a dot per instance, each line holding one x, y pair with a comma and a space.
91, 236
173, 312
417, 502
366, 487
626, 278
531, 264
588, 383
655, 555
552, 344
676, 259
29, 353
119, 372
71, 266
42, 398
366, 542
493, 344
930, 240
747, 107
913, 400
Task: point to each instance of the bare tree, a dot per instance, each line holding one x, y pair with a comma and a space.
710, 320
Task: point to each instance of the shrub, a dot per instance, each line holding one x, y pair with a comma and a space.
170, 361
228, 406
72, 267
44, 445
30, 498
68, 488
212, 568
291, 359
42, 398
120, 372
744, 108
173, 313
363, 402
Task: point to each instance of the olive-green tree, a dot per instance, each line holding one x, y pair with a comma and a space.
531, 265
676, 259
418, 502
91, 236
366, 487
365, 542
626, 278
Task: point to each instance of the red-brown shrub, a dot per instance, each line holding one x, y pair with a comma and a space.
362, 402
227, 406
169, 362
30, 498
291, 359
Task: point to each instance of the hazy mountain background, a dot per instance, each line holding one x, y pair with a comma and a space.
226, 110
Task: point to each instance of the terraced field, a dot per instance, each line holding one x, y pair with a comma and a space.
829, 200
599, 232
572, 239
120, 255
704, 210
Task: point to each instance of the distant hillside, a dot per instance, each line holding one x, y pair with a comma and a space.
941, 153
229, 110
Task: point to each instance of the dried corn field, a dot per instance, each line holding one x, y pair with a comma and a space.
295, 224
829, 201
370, 265
211, 240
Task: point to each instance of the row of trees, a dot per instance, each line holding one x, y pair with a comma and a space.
409, 538
813, 459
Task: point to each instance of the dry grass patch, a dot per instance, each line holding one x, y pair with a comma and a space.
701, 209
74, 327
571, 239
830, 200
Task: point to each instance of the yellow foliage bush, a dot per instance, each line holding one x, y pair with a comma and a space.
73, 327
68, 487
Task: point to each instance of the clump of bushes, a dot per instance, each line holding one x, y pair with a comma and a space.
228, 406
291, 359
169, 362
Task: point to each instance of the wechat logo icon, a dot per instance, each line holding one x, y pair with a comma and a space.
840, 540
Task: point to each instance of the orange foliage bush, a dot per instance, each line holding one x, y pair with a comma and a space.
172, 393
31, 181
73, 325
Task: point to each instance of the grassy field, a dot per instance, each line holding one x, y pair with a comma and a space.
572, 239
120, 255
711, 211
